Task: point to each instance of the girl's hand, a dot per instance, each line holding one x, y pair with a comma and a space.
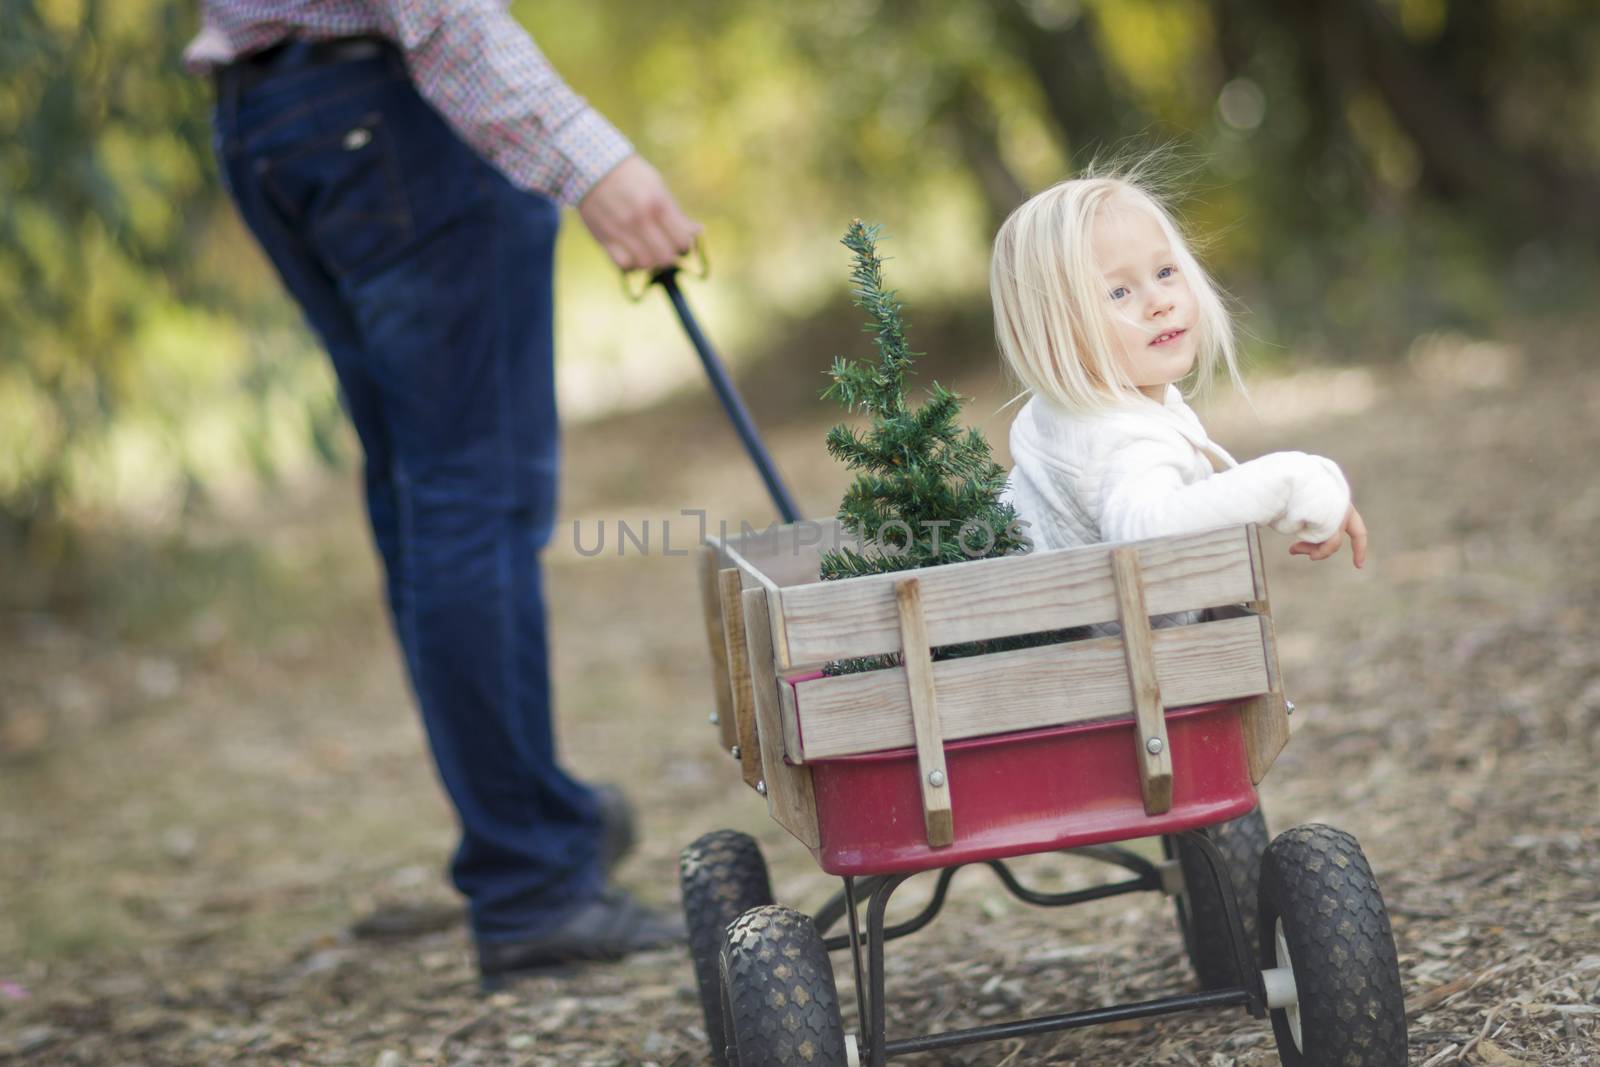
1322, 550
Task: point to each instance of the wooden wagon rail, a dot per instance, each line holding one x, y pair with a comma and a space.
771, 626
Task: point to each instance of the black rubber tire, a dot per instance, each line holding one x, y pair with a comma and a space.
1351, 1010
1201, 917
779, 1001
722, 876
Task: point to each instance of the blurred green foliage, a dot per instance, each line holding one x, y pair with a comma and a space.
143, 360
1365, 170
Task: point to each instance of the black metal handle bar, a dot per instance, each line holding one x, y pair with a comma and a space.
731, 401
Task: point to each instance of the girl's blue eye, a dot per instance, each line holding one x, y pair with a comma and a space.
1119, 292
1167, 272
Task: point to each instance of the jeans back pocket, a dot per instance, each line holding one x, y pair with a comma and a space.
344, 191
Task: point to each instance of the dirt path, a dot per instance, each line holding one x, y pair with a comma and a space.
176, 879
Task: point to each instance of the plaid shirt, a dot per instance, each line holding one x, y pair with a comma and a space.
469, 58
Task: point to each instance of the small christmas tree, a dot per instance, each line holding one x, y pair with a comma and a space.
929, 491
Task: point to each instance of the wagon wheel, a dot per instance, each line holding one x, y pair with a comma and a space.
722, 875
1322, 918
1201, 916
780, 1007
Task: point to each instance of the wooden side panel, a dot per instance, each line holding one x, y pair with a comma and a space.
780, 636
784, 555
1265, 719
932, 773
751, 578
1017, 594
790, 800
738, 666
1149, 717
712, 604
1031, 687
788, 711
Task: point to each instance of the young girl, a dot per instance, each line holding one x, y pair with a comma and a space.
1100, 308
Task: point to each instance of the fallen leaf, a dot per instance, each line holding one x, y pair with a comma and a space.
1491, 1053
1430, 997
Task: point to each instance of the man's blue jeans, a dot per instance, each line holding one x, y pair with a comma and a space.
428, 278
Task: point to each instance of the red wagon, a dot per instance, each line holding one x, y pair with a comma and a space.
1087, 735
1058, 738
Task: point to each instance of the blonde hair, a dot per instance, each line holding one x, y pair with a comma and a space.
1051, 316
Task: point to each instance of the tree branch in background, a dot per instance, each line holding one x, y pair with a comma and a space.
1091, 112
966, 112
1346, 46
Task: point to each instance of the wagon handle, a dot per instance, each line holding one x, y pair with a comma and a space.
667, 278
700, 268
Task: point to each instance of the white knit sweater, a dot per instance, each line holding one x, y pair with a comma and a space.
1152, 472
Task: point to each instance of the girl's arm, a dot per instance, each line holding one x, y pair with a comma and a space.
1143, 495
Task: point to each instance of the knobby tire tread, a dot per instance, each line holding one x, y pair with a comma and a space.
1352, 1006
722, 875
782, 1004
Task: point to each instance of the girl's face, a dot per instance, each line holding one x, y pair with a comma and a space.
1151, 308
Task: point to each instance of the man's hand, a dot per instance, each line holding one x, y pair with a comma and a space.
632, 214
1358, 541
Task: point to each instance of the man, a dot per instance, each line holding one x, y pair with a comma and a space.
402, 163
